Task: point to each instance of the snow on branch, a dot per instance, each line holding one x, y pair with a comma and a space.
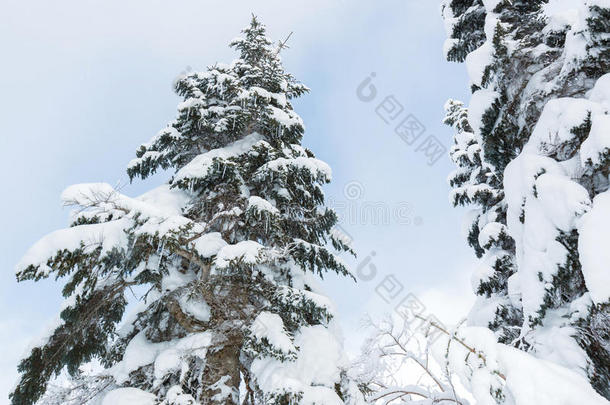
467, 364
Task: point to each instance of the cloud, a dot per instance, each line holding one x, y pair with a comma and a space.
449, 302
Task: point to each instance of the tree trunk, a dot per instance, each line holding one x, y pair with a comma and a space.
222, 375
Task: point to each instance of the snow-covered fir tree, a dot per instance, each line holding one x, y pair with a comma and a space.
227, 255
533, 157
477, 184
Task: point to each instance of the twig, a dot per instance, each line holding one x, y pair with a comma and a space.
460, 341
282, 44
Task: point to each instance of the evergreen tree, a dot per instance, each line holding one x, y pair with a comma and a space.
476, 183
228, 253
538, 109
466, 30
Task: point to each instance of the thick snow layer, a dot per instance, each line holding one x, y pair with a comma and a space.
209, 244
483, 272
261, 205
542, 200
108, 235
562, 199
449, 19
561, 13
164, 226
317, 341
321, 395
477, 60
523, 378
168, 200
197, 308
575, 48
534, 381
320, 300
160, 208
175, 279
519, 185
129, 396
479, 103
491, 4
484, 310
285, 118
161, 201
598, 141
558, 118
316, 369
175, 396
491, 232
140, 352
246, 251
315, 166
271, 327
601, 91
199, 166
595, 259
280, 98
513, 285
449, 43
167, 361
555, 342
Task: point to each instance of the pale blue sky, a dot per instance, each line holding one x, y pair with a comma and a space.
83, 83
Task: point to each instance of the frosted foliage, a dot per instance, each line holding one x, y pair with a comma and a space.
462, 365
165, 356
203, 290
273, 330
160, 208
200, 165
129, 396
595, 227
598, 142
516, 376
532, 151
319, 360
246, 251
554, 201
209, 244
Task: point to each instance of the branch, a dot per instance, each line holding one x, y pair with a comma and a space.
412, 390
282, 44
460, 341
408, 354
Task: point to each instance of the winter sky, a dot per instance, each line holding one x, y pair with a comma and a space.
83, 83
